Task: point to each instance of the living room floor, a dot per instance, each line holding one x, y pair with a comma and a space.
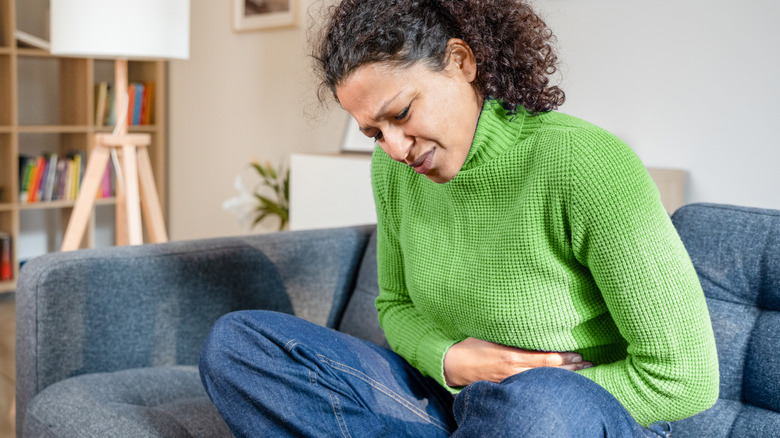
7, 365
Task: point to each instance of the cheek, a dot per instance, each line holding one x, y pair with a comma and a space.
384, 148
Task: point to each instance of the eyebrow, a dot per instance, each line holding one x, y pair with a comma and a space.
382, 111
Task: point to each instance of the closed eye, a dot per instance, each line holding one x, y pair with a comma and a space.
378, 136
403, 114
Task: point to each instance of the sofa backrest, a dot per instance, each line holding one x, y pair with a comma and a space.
736, 252
360, 316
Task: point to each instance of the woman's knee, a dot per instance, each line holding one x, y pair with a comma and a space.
546, 390
232, 337
540, 401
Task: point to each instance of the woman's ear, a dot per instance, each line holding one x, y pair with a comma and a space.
461, 59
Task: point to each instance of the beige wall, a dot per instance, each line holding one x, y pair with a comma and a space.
689, 85
240, 96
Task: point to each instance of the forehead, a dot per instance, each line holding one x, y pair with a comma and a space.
370, 87
369, 79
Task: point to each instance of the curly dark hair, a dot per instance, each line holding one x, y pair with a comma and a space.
511, 44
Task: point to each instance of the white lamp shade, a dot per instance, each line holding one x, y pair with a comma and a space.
133, 29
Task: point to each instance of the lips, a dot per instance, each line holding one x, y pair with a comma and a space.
424, 163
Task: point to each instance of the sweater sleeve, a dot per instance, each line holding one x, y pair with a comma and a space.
409, 333
621, 232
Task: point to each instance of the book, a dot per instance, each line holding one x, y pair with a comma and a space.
101, 102
35, 180
41, 187
139, 103
6, 259
130, 104
110, 116
59, 185
26, 166
148, 116
51, 170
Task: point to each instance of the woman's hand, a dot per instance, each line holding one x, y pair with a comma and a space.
474, 359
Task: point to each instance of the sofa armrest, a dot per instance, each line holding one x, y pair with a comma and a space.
126, 307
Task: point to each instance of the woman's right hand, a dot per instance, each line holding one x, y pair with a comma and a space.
473, 359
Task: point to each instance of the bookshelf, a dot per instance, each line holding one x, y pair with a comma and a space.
47, 105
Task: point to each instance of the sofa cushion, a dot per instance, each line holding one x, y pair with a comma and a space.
736, 252
144, 402
360, 317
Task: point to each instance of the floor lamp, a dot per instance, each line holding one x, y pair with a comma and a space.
120, 30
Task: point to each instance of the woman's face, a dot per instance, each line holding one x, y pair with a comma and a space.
425, 119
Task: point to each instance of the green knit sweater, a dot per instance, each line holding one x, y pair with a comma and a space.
552, 237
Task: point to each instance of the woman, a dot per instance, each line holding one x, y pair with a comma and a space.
525, 261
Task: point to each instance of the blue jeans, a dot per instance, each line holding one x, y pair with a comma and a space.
272, 374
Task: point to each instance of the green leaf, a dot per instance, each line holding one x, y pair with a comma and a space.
259, 219
286, 185
272, 206
259, 169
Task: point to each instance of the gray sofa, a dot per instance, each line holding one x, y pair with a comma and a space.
108, 340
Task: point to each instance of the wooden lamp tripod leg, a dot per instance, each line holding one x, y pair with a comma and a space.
82, 210
150, 201
130, 164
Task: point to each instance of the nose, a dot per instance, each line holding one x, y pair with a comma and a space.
398, 144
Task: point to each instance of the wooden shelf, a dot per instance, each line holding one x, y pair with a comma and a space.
34, 52
135, 128
61, 204
54, 129
7, 286
47, 104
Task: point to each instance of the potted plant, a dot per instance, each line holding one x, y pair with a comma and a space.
268, 198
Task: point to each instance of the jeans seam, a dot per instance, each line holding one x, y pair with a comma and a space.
289, 347
334, 403
387, 391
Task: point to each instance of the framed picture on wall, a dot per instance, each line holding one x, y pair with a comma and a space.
356, 141
264, 14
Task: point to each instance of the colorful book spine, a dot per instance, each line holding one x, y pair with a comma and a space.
101, 102
139, 103
6, 257
35, 180
51, 177
140, 109
26, 166
51, 173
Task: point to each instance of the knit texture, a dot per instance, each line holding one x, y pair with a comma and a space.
552, 237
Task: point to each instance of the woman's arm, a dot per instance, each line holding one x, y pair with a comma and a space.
420, 341
621, 232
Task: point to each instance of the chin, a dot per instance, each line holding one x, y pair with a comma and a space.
439, 179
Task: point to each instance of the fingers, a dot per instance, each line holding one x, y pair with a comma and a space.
558, 359
576, 366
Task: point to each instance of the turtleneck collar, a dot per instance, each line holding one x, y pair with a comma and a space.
498, 131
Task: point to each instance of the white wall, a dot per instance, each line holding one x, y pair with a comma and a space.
240, 96
688, 84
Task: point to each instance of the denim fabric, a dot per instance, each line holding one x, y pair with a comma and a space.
736, 253
545, 402
274, 375
271, 374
